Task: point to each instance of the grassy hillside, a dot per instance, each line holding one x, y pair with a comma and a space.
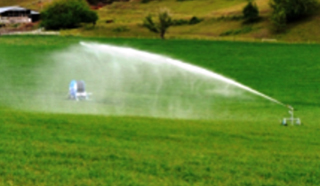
127, 19
246, 146
220, 21
33, 4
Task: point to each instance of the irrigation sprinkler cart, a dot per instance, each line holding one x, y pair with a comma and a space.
77, 91
291, 119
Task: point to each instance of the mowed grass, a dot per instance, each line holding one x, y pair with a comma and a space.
247, 147
40, 149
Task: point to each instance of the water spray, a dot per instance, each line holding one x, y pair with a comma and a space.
158, 60
184, 66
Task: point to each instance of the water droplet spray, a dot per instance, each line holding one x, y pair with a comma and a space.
181, 65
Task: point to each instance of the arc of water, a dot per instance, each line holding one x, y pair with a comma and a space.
187, 67
193, 68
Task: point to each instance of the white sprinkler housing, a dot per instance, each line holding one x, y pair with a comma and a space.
291, 119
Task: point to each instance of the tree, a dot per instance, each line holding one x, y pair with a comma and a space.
250, 12
63, 14
161, 27
95, 2
286, 11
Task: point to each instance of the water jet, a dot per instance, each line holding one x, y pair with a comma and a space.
131, 82
181, 65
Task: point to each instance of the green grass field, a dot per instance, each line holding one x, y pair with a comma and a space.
244, 146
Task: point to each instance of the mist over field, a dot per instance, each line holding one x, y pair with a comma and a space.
128, 82
124, 81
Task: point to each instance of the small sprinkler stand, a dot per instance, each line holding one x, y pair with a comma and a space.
291, 119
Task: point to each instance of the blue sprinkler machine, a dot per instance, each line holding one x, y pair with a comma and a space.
77, 90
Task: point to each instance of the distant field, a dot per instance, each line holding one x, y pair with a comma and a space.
244, 146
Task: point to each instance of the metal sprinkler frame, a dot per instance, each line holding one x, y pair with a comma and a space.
291, 119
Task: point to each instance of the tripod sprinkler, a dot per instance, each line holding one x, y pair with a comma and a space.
293, 120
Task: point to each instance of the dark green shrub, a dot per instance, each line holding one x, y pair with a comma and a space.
230, 18
145, 1
95, 2
194, 20
286, 11
250, 12
179, 22
63, 14
279, 21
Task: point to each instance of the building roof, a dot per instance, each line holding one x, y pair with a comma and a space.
34, 12
15, 8
10, 8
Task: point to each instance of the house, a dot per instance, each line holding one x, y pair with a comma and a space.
16, 14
